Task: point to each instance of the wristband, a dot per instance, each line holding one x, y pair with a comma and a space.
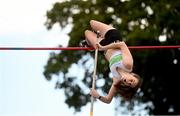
99, 97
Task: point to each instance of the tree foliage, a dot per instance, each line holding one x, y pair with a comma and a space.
141, 22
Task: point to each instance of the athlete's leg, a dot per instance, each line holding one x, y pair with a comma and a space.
91, 38
101, 27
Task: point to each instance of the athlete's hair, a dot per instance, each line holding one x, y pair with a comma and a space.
127, 91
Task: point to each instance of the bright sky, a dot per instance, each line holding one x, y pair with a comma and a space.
24, 91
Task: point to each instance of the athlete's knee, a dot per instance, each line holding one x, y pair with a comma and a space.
86, 32
91, 22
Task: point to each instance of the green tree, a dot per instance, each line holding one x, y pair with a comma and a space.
141, 22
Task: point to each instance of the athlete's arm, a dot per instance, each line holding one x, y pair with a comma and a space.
106, 99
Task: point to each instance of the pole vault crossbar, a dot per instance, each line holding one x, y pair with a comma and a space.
86, 48
46, 48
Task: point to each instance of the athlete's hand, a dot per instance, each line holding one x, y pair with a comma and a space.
100, 47
94, 93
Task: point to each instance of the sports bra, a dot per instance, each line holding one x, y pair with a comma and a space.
116, 61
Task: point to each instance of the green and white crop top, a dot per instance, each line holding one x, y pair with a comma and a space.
116, 61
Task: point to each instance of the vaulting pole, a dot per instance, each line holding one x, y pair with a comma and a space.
94, 76
94, 81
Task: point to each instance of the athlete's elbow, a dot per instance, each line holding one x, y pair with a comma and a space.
108, 101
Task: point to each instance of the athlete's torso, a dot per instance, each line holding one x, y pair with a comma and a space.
115, 58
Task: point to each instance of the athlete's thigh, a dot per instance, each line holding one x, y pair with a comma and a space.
101, 27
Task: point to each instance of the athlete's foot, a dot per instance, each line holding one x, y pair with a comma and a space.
84, 43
